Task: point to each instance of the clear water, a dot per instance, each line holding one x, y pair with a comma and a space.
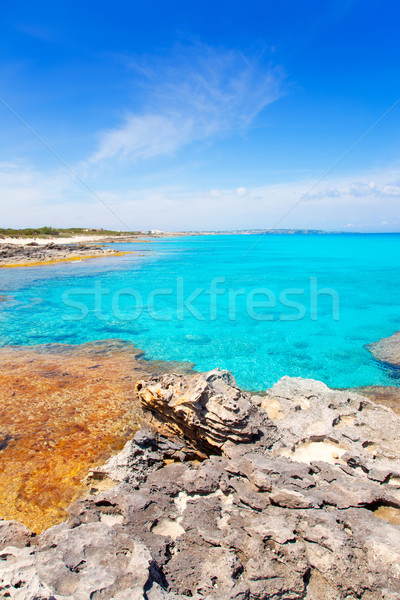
258, 343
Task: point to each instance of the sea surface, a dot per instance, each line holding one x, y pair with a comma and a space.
260, 306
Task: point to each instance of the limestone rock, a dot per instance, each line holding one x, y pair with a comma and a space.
208, 409
340, 428
301, 505
387, 350
90, 561
15, 533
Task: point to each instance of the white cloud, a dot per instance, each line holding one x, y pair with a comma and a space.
142, 137
32, 198
261, 207
332, 192
329, 192
360, 189
391, 190
207, 92
241, 191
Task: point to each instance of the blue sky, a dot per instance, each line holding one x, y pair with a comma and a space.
211, 115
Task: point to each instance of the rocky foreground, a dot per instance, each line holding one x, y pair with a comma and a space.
224, 495
35, 253
64, 409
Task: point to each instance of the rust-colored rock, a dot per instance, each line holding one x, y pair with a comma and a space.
388, 395
63, 411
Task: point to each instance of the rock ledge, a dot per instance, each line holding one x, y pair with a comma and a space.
224, 495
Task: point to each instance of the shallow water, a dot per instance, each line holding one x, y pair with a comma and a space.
234, 328
63, 411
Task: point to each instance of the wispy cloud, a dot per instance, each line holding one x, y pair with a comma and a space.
261, 207
197, 93
32, 197
359, 189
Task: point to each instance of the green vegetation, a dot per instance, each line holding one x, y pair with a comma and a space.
44, 232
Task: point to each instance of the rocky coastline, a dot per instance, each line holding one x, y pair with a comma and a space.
33, 253
223, 494
64, 409
387, 350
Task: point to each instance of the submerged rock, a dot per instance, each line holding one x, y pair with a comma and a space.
388, 395
224, 495
387, 350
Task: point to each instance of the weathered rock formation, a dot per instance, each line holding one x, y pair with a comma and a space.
15, 254
224, 495
387, 350
208, 409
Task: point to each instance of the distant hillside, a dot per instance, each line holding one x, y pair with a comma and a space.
44, 232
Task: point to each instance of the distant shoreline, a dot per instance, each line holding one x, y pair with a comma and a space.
46, 249
109, 237
76, 239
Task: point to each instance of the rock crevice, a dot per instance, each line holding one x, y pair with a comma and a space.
226, 495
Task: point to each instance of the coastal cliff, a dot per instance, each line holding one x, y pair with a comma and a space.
222, 494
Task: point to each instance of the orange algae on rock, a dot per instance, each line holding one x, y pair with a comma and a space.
387, 395
53, 261
63, 411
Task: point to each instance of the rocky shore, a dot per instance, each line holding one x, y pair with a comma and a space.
226, 495
32, 254
64, 409
387, 350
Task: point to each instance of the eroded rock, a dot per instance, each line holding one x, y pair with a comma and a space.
387, 350
208, 409
252, 520
14, 533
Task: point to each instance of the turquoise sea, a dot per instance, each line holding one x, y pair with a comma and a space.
299, 305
